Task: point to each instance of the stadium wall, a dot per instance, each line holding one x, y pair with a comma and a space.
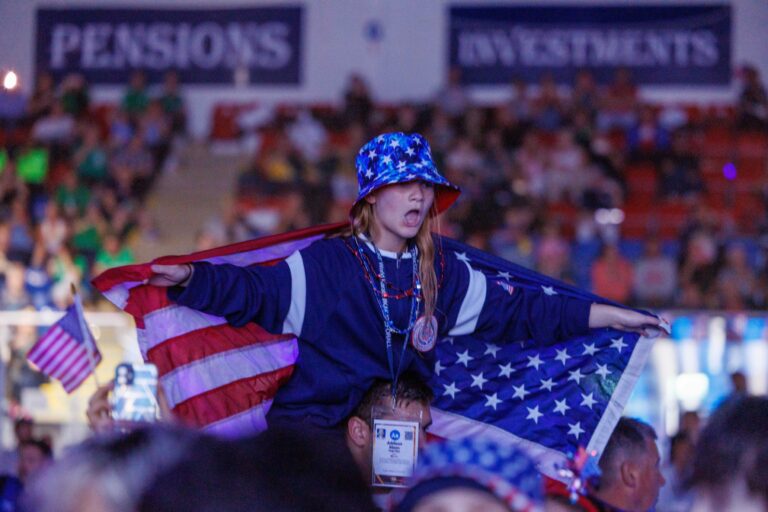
399, 46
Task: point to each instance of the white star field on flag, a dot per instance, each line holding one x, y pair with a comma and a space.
528, 388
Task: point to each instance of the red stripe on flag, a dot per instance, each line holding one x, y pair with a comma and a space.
48, 346
202, 343
57, 369
73, 361
145, 299
70, 378
83, 371
231, 399
45, 343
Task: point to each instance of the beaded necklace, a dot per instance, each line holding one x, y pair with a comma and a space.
382, 300
397, 293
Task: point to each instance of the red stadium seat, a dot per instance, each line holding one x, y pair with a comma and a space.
101, 114
225, 116
547, 139
672, 216
752, 168
636, 213
642, 181
718, 141
695, 113
618, 139
713, 165
752, 144
339, 138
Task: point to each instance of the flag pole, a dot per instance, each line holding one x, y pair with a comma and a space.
90, 343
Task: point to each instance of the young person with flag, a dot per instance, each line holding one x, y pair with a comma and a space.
373, 303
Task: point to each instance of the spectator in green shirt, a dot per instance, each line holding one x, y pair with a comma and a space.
74, 95
113, 253
87, 237
136, 99
72, 197
172, 103
91, 158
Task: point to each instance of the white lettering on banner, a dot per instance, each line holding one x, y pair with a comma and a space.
182, 41
127, 49
162, 45
65, 39
245, 40
561, 47
95, 39
273, 39
704, 46
207, 45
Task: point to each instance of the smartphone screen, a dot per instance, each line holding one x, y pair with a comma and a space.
134, 398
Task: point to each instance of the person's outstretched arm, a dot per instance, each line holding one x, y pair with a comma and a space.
603, 315
239, 294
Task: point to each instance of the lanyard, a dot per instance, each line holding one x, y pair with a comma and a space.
383, 302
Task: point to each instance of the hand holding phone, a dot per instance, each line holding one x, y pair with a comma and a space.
99, 412
134, 397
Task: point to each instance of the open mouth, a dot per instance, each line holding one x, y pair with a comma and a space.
412, 217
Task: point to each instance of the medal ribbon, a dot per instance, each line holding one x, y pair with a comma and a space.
383, 302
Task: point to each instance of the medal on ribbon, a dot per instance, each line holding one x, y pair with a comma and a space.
424, 333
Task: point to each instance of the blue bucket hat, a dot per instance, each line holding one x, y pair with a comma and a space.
501, 470
399, 158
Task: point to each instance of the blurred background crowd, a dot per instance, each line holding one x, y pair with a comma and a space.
649, 205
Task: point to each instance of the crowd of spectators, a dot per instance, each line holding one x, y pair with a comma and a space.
650, 205
74, 179
657, 206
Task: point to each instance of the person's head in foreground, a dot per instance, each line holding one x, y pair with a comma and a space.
34, 456
730, 466
631, 478
107, 472
470, 475
412, 400
283, 470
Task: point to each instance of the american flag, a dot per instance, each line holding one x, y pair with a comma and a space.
215, 376
546, 399
67, 350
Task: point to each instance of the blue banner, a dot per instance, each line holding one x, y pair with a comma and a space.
205, 46
688, 44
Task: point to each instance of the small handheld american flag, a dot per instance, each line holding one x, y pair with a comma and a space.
67, 351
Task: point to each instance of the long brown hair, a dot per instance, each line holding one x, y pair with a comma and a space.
362, 220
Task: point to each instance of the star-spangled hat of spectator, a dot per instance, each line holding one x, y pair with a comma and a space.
475, 463
400, 158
